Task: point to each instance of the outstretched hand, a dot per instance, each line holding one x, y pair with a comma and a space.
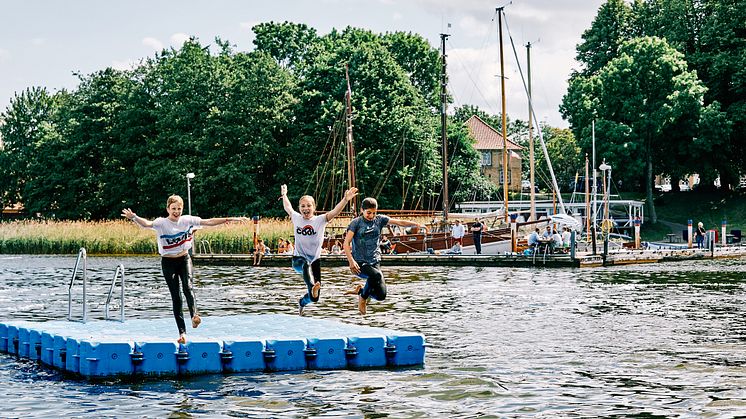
350, 193
128, 214
283, 190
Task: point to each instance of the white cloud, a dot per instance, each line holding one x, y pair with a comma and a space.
472, 27
37, 42
124, 65
178, 39
153, 43
4, 55
397, 16
248, 25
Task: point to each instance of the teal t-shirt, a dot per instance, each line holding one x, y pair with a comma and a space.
365, 242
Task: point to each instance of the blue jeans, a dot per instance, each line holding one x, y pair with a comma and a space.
310, 272
700, 241
375, 286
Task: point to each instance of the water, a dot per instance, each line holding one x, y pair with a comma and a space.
665, 339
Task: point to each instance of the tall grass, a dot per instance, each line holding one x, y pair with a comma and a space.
123, 237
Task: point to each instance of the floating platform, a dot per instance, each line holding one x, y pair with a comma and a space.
226, 344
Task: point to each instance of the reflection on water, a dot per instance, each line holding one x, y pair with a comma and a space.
649, 339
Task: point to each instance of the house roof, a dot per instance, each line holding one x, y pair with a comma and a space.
487, 137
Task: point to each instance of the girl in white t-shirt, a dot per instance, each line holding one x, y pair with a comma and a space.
174, 234
309, 239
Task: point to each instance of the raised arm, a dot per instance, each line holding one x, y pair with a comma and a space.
349, 194
285, 201
130, 215
217, 221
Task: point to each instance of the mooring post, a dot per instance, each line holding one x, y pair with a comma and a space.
689, 233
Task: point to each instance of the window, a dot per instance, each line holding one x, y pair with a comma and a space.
510, 176
486, 158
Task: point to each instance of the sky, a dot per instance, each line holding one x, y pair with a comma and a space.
46, 42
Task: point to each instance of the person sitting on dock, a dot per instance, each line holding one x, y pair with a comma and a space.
566, 236
259, 252
363, 251
385, 245
289, 248
175, 236
281, 248
533, 238
557, 242
337, 248
309, 239
456, 249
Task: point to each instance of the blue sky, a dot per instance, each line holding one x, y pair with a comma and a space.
43, 42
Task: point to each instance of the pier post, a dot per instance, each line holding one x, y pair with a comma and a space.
723, 227
689, 233
637, 232
572, 245
513, 233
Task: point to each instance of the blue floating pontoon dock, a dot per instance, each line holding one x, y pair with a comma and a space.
225, 344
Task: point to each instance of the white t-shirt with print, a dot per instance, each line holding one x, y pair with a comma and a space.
309, 235
175, 237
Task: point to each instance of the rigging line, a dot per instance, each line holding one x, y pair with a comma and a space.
390, 167
533, 112
319, 174
473, 82
415, 167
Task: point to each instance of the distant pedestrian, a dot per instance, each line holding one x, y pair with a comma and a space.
699, 234
476, 232
457, 232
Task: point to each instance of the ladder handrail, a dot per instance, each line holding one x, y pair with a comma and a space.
120, 269
81, 255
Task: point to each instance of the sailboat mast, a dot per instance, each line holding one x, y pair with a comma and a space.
504, 114
530, 135
350, 145
443, 123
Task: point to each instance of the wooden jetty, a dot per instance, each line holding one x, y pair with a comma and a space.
580, 259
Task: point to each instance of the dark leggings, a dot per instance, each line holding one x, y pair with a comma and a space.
310, 273
177, 270
375, 286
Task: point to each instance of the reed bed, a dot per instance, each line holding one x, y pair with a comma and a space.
122, 237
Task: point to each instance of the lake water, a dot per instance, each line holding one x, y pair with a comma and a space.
666, 339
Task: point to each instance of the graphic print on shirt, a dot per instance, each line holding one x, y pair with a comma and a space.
175, 240
306, 230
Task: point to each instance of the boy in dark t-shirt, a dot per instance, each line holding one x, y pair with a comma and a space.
363, 251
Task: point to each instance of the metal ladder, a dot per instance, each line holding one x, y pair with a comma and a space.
82, 256
120, 269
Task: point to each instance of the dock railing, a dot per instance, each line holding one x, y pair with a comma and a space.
120, 270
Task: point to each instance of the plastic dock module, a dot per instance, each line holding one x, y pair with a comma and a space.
222, 345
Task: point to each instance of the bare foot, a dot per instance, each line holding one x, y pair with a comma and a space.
355, 290
196, 320
362, 303
315, 289
182, 339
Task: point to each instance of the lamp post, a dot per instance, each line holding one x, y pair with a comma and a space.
606, 224
189, 192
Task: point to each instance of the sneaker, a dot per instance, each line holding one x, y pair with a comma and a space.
301, 309
181, 339
362, 303
315, 290
196, 320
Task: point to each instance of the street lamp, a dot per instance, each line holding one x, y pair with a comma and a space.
189, 191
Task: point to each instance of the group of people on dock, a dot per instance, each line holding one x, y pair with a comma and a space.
550, 240
362, 247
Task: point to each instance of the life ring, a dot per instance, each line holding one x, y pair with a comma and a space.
607, 225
